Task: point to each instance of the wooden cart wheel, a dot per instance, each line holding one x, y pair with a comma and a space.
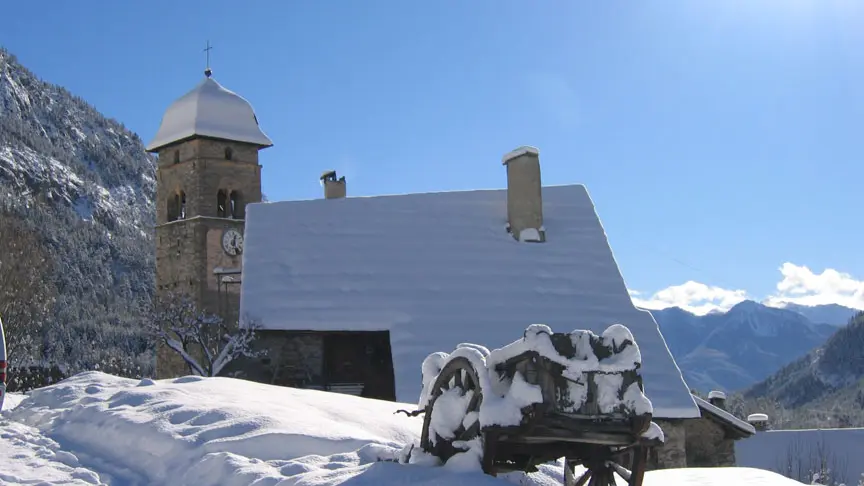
601, 471
458, 376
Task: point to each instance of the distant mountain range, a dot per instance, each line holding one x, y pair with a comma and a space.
831, 375
734, 350
833, 314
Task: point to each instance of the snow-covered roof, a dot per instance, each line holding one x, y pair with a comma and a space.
743, 427
209, 110
439, 269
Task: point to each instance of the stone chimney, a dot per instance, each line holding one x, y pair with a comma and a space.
718, 399
759, 421
524, 195
333, 188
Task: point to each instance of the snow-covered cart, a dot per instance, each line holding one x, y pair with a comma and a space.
546, 396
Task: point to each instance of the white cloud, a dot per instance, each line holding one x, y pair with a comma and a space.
799, 285
691, 296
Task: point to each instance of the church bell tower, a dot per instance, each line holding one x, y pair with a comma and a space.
207, 172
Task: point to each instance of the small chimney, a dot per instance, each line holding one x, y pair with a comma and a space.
718, 399
524, 195
759, 421
333, 188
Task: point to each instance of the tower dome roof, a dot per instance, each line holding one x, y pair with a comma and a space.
209, 110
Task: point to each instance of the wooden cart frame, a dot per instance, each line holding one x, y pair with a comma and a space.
604, 444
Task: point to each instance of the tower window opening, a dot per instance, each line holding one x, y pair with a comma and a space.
176, 156
182, 205
234, 205
221, 203
173, 208
229, 154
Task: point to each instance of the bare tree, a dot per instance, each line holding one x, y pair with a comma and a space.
26, 292
204, 341
813, 463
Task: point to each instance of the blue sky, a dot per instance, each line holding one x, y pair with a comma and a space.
720, 140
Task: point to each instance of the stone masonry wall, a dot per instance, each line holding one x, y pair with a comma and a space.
204, 148
673, 453
202, 172
707, 444
188, 250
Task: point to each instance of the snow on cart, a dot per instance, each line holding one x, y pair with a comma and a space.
546, 396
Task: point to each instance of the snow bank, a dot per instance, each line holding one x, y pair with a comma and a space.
167, 428
30, 458
716, 476
777, 450
209, 431
11, 400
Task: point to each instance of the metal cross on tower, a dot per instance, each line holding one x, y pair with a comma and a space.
207, 71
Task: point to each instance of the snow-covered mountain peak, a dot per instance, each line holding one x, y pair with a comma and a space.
56, 147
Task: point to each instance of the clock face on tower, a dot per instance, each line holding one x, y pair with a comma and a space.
232, 242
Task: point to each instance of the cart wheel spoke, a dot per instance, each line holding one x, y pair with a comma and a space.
570, 478
583, 478
620, 470
637, 467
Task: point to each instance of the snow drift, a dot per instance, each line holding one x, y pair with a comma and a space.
208, 431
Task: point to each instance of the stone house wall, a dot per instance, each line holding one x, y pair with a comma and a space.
698, 442
673, 453
708, 444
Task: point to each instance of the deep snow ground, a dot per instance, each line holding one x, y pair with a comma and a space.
31, 458
95, 428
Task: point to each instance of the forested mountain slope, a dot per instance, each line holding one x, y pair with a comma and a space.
830, 375
81, 186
